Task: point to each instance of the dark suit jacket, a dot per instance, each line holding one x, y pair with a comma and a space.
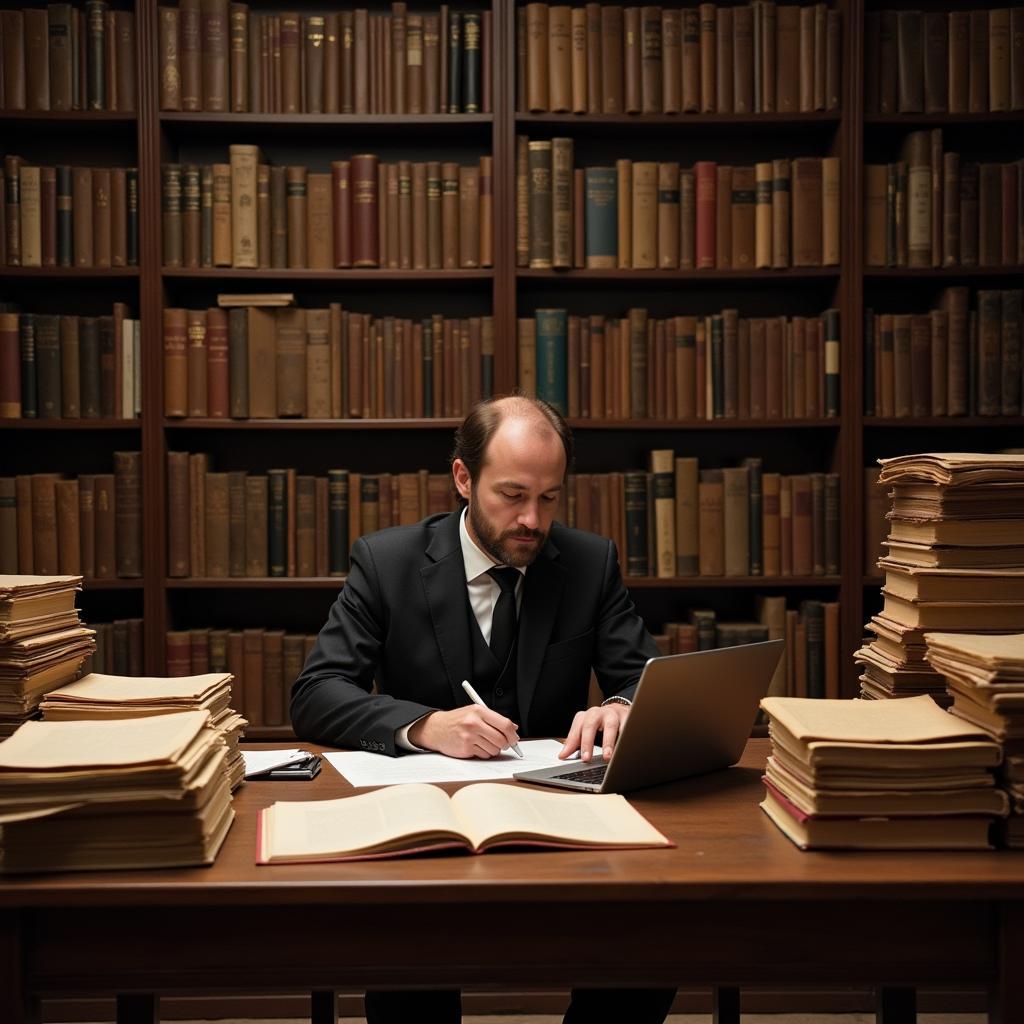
403, 617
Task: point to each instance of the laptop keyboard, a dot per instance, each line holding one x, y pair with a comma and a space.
594, 775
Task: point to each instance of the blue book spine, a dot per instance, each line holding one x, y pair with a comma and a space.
601, 218
552, 341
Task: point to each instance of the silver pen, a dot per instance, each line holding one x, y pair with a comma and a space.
476, 699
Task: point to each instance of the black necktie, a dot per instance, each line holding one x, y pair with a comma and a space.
503, 622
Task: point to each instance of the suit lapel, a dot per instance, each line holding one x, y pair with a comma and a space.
545, 580
444, 584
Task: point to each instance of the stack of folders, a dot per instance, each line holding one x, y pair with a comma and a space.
876, 775
42, 642
128, 793
97, 697
985, 676
955, 563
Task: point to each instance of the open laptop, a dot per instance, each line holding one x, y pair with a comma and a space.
692, 713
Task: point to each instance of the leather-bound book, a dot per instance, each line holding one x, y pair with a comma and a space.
170, 66
313, 42
559, 45
60, 57
198, 398
277, 522
743, 60
990, 366
920, 366
916, 154
455, 47
711, 522
217, 366
450, 215
256, 520
10, 367
763, 215
178, 506
806, 59
801, 529
244, 229
635, 510
118, 215
486, 215
834, 61
221, 215
632, 60
743, 214
687, 530
318, 222
668, 215
128, 513
788, 59
65, 253
807, 212
388, 210
431, 71
27, 349
273, 677
939, 338
958, 62
935, 61
875, 214
89, 367
238, 59
723, 217
191, 215
318, 364
82, 215
278, 218
522, 201
291, 362
561, 202
689, 59
687, 219
12, 28
537, 59
990, 220
214, 49
579, 60
707, 14
131, 175
329, 93
887, 63
978, 72
998, 59
360, 62
902, 364
23, 523
341, 213
830, 222
86, 524
1011, 221
365, 242
95, 22
652, 72
706, 179
124, 60
472, 63
252, 671
969, 183
736, 519
291, 72
645, 215
297, 185
613, 71
671, 36
305, 527
48, 370
190, 25
217, 525
540, 204
31, 217
1011, 352
238, 363
104, 501
954, 304
434, 216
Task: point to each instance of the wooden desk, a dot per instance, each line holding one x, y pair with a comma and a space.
735, 904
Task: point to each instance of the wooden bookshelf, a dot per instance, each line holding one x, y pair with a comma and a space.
844, 445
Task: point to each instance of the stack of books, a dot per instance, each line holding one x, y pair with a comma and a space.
985, 677
103, 698
129, 793
42, 642
875, 775
955, 562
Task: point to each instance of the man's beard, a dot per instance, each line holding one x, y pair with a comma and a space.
500, 546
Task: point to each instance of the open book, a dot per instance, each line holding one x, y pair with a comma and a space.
414, 818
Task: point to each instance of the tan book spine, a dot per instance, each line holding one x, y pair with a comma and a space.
624, 175
651, 61
559, 59
561, 203
170, 68
32, 220
708, 53
668, 215
537, 59
222, 248
788, 59
469, 217
830, 206
450, 216
579, 59
645, 215
594, 60
763, 215
82, 216
486, 213
690, 59
723, 60
632, 64
613, 71
672, 45
244, 232
662, 468
742, 241
175, 341
807, 212
743, 60
319, 234
69, 546
297, 179
711, 519
723, 217
217, 525
999, 59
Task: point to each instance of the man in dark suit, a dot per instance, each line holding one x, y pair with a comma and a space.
498, 594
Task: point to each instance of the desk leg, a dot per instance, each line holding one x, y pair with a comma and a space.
138, 1008
324, 1009
1006, 998
895, 1005
16, 1001
726, 1005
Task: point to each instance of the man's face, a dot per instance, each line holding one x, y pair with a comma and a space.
513, 502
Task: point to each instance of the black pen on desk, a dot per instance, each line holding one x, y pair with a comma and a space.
476, 699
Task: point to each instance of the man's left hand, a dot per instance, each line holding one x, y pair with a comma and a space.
606, 719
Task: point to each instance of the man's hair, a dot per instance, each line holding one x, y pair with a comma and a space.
477, 429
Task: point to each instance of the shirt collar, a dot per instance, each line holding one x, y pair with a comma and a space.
476, 561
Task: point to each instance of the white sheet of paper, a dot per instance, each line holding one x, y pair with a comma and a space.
361, 768
259, 761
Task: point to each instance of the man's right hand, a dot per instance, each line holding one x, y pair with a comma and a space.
471, 731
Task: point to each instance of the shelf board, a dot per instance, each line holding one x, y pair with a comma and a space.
681, 122
986, 121
314, 276
66, 118
307, 424
640, 582
940, 273
942, 422
576, 423
76, 273
90, 583
365, 123
70, 424
793, 275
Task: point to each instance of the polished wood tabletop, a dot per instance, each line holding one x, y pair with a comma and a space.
733, 903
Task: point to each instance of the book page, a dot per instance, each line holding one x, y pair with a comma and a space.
324, 829
99, 687
489, 811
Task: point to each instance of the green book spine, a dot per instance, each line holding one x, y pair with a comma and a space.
635, 493
601, 218
132, 217
96, 15
277, 522
552, 340
337, 522
238, 362
471, 62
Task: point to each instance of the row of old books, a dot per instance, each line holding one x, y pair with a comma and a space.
69, 216
954, 562
323, 363
637, 214
222, 57
985, 677
810, 666
879, 775
263, 664
947, 362
64, 57
70, 367
89, 526
363, 213
682, 367
933, 209
42, 641
934, 61
712, 59
119, 648
114, 793
680, 520
283, 523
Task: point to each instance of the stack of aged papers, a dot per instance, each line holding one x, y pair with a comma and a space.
896, 774
99, 697
42, 642
955, 562
985, 676
125, 793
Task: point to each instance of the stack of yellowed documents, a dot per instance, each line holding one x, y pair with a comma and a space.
98, 697
955, 562
128, 793
42, 642
875, 775
985, 676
